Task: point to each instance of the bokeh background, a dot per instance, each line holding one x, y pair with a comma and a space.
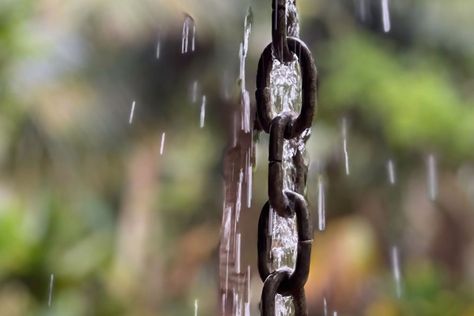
86, 196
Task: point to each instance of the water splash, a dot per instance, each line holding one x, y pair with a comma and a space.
344, 145
321, 205
203, 112
395, 258
132, 111
386, 16
391, 172
188, 26
50, 291
162, 145
432, 177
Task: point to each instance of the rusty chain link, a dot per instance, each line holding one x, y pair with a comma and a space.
286, 125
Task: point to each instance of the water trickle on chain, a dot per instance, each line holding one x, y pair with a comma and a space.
285, 83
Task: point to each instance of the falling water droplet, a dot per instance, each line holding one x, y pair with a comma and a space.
196, 306
432, 177
132, 110
321, 204
396, 270
344, 141
391, 172
325, 307
194, 91
386, 16
203, 111
187, 24
249, 182
363, 10
162, 145
335, 313
50, 292
238, 241
158, 48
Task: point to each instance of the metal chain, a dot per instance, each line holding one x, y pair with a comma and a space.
286, 125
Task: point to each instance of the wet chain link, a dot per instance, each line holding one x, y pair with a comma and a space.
286, 125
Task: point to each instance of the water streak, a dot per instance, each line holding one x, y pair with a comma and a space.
187, 25
391, 172
50, 292
194, 91
162, 145
432, 174
344, 144
132, 111
386, 16
158, 49
196, 306
203, 111
325, 304
396, 270
321, 204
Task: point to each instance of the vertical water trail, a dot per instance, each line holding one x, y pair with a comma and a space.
386, 16
162, 145
196, 307
50, 291
158, 49
243, 50
132, 111
395, 259
362, 10
194, 91
391, 172
432, 177
203, 112
325, 311
344, 145
238, 165
187, 25
321, 205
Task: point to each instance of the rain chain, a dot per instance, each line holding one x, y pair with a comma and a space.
286, 125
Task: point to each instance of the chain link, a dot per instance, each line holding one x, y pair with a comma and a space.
286, 125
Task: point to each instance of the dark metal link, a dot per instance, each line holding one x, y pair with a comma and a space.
271, 288
308, 82
278, 200
279, 31
287, 125
298, 277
